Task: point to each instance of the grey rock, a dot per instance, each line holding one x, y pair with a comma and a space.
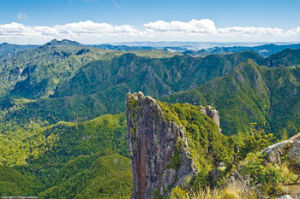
285, 197
289, 148
152, 144
215, 174
213, 114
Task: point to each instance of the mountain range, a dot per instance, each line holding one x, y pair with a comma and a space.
62, 122
100, 79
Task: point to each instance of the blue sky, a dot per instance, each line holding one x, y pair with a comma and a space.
283, 14
271, 13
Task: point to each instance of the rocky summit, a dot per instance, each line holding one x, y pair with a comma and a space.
159, 147
152, 143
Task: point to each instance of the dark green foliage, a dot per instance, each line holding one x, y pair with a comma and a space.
70, 86
254, 140
176, 159
36, 72
251, 93
284, 89
100, 86
286, 57
12, 182
201, 180
156, 194
266, 177
207, 146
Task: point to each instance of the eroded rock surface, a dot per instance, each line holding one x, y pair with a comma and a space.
154, 147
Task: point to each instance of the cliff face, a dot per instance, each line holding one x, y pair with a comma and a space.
175, 146
154, 145
161, 148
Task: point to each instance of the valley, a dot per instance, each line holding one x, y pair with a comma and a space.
63, 125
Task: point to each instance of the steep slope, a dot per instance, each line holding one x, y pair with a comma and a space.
170, 144
36, 72
286, 57
251, 93
99, 87
177, 151
174, 72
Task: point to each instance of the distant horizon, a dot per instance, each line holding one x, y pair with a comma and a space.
118, 21
173, 43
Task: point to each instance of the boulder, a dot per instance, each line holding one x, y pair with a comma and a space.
289, 148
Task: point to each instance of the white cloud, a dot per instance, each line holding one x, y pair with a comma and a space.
22, 16
193, 26
193, 30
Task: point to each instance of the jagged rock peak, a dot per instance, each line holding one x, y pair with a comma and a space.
155, 145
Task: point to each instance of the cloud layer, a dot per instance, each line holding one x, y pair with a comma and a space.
193, 30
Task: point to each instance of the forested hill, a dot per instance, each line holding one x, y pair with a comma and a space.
65, 81
264, 50
59, 138
7, 49
252, 93
35, 72
99, 86
66, 160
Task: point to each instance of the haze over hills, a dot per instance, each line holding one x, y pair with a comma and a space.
191, 48
264, 50
7, 49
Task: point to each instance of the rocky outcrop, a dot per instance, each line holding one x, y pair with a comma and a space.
287, 152
211, 112
156, 146
289, 148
